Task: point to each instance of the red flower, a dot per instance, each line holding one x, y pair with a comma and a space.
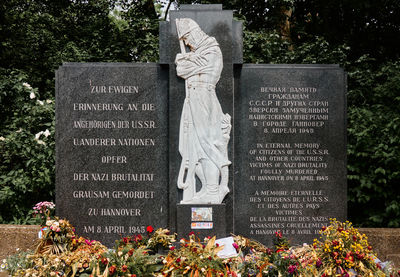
172, 248
178, 260
139, 237
104, 261
126, 240
354, 238
209, 258
278, 234
130, 252
335, 243
112, 269
369, 247
133, 275
340, 229
323, 228
360, 256
150, 229
194, 249
124, 268
191, 233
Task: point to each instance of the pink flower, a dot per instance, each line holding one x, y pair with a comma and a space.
235, 246
292, 269
58, 229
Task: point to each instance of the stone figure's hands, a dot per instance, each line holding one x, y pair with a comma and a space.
196, 59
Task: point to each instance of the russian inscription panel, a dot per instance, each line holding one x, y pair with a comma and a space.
111, 151
289, 150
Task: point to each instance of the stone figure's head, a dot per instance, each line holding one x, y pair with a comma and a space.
190, 32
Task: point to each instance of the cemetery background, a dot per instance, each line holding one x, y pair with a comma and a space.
27, 167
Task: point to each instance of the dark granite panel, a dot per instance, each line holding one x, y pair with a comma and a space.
237, 42
290, 150
186, 219
111, 148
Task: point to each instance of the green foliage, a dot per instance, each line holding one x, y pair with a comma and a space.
27, 166
17, 261
374, 143
270, 47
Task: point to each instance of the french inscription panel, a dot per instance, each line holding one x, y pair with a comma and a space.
289, 151
111, 150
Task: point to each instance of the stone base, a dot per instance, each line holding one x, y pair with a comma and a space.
195, 218
14, 238
385, 243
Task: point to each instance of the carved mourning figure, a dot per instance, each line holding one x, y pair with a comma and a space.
204, 128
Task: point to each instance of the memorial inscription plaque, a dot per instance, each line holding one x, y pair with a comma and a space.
111, 152
289, 150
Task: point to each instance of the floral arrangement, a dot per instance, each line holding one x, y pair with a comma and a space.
43, 210
341, 251
57, 236
194, 258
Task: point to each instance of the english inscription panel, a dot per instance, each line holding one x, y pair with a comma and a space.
111, 150
290, 150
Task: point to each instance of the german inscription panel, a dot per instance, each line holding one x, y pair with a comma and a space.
111, 155
290, 150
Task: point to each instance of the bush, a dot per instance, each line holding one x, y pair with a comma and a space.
374, 143
26, 145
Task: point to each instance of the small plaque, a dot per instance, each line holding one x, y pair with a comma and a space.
202, 225
202, 214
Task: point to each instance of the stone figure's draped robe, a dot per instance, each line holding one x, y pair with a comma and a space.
202, 121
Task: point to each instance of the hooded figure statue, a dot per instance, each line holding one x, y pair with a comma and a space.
204, 128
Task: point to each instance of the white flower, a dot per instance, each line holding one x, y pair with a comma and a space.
32, 95
46, 133
2, 138
27, 85
48, 101
40, 102
19, 130
37, 136
41, 142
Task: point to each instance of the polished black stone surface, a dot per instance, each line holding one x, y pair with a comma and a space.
111, 148
290, 150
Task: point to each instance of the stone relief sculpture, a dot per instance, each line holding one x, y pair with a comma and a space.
204, 129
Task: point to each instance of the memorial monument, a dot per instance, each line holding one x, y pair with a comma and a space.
200, 141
